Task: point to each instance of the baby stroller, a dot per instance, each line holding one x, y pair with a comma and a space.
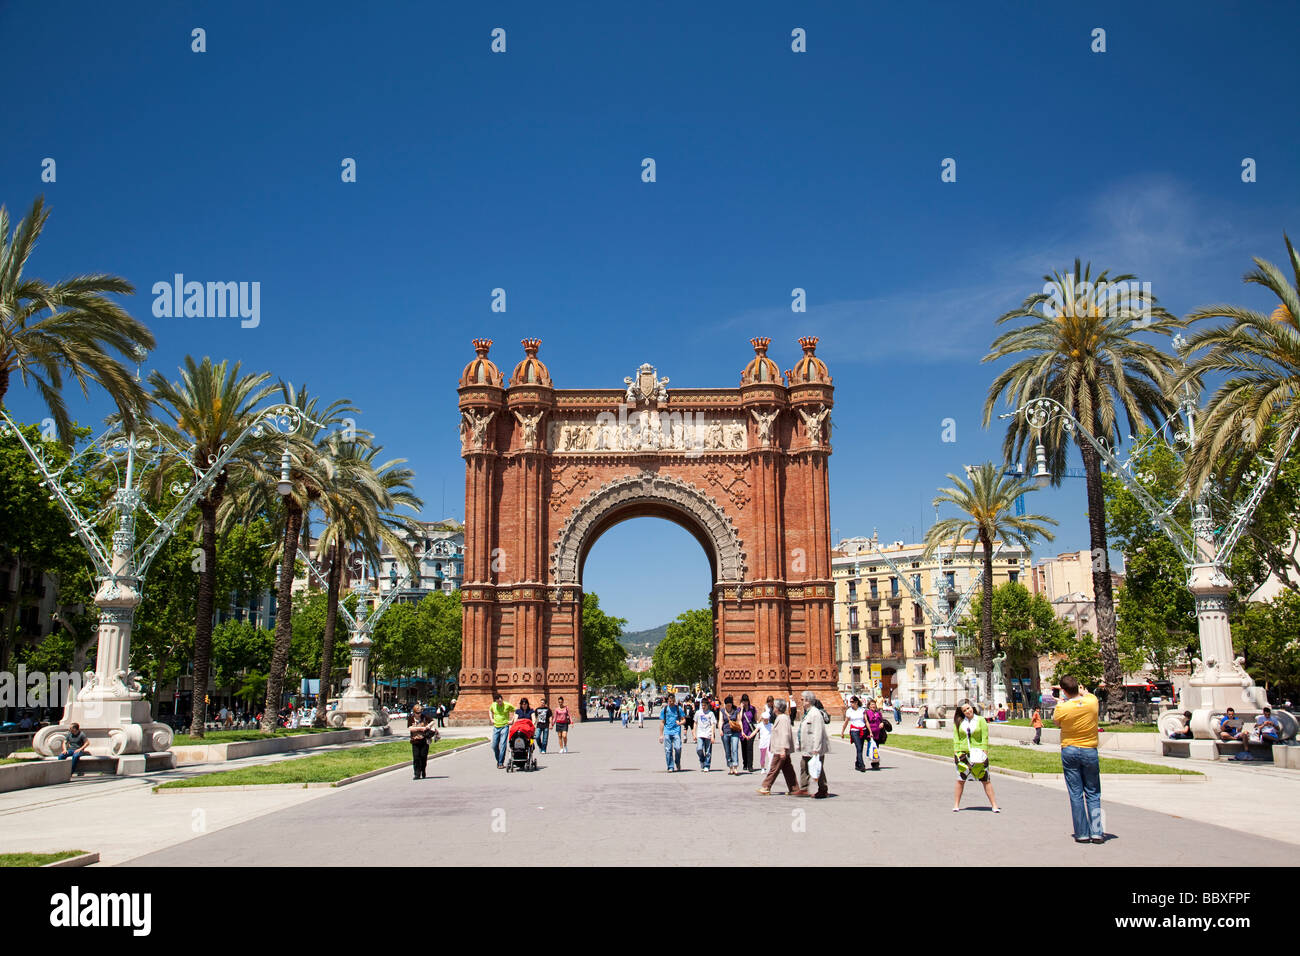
521, 754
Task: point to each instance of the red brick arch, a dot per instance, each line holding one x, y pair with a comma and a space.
549, 470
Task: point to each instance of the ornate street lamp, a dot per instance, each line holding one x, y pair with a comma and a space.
110, 706
1218, 679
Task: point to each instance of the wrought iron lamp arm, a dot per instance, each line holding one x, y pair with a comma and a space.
306, 559
917, 596
1041, 411
1242, 514
964, 601
82, 527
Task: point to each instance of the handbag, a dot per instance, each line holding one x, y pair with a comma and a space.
734, 726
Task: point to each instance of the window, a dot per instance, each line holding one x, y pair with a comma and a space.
893, 587
874, 595
857, 677
854, 650
853, 590
853, 617
918, 641
916, 582
1013, 576
916, 614
950, 579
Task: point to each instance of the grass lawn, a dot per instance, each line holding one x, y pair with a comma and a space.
5, 760
321, 768
1129, 728
236, 736
36, 859
1028, 759
1024, 722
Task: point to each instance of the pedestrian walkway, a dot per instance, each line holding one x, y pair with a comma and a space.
609, 800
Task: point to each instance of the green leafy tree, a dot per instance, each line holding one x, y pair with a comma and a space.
604, 660
1085, 348
241, 656
1268, 636
685, 655
987, 503
1082, 660
34, 535
1025, 627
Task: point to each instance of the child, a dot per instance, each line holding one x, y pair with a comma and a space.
1038, 727
764, 737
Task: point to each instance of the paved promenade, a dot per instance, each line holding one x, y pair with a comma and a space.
610, 802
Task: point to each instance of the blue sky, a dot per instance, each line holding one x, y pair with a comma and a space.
775, 170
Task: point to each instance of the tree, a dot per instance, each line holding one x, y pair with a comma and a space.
1082, 660
34, 535
76, 338
604, 661
1268, 636
1256, 406
1084, 351
685, 655
241, 655
1025, 627
419, 637
988, 506
210, 407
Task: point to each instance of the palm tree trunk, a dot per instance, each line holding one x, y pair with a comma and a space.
1101, 586
283, 619
203, 610
986, 622
327, 644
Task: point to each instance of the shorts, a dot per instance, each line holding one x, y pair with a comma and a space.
966, 770
690, 723
562, 727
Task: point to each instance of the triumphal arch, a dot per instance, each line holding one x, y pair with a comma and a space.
548, 470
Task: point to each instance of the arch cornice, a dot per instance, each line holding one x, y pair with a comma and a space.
700, 509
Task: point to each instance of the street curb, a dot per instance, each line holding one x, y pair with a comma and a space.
1059, 777
315, 786
84, 859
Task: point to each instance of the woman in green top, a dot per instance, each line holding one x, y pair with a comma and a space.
970, 748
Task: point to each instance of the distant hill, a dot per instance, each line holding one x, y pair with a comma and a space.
638, 643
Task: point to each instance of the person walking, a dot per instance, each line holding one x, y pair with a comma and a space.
502, 714
612, 708
898, 710
748, 731
782, 747
1037, 722
729, 721
970, 749
562, 721
418, 726
814, 745
876, 727
542, 720
706, 732
855, 722
671, 734
640, 714
688, 716
625, 711
1077, 717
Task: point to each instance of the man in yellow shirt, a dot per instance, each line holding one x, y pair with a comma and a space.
502, 714
1077, 718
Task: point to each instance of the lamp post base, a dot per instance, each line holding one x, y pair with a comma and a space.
360, 712
114, 727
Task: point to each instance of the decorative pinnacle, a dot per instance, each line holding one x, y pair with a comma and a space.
531, 346
809, 343
481, 346
760, 344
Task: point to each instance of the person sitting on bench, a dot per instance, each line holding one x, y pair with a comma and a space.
1185, 733
1267, 728
75, 744
1230, 728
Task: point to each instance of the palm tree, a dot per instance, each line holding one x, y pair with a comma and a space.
1083, 351
211, 406
988, 514
311, 469
358, 511
77, 336
1262, 354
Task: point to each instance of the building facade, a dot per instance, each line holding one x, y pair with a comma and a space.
884, 638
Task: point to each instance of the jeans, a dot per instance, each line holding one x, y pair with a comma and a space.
747, 753
543, 735
500, 740
859, 738
705, 749
673, 751
74, 756
419, 756
731, 744
1083, 781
